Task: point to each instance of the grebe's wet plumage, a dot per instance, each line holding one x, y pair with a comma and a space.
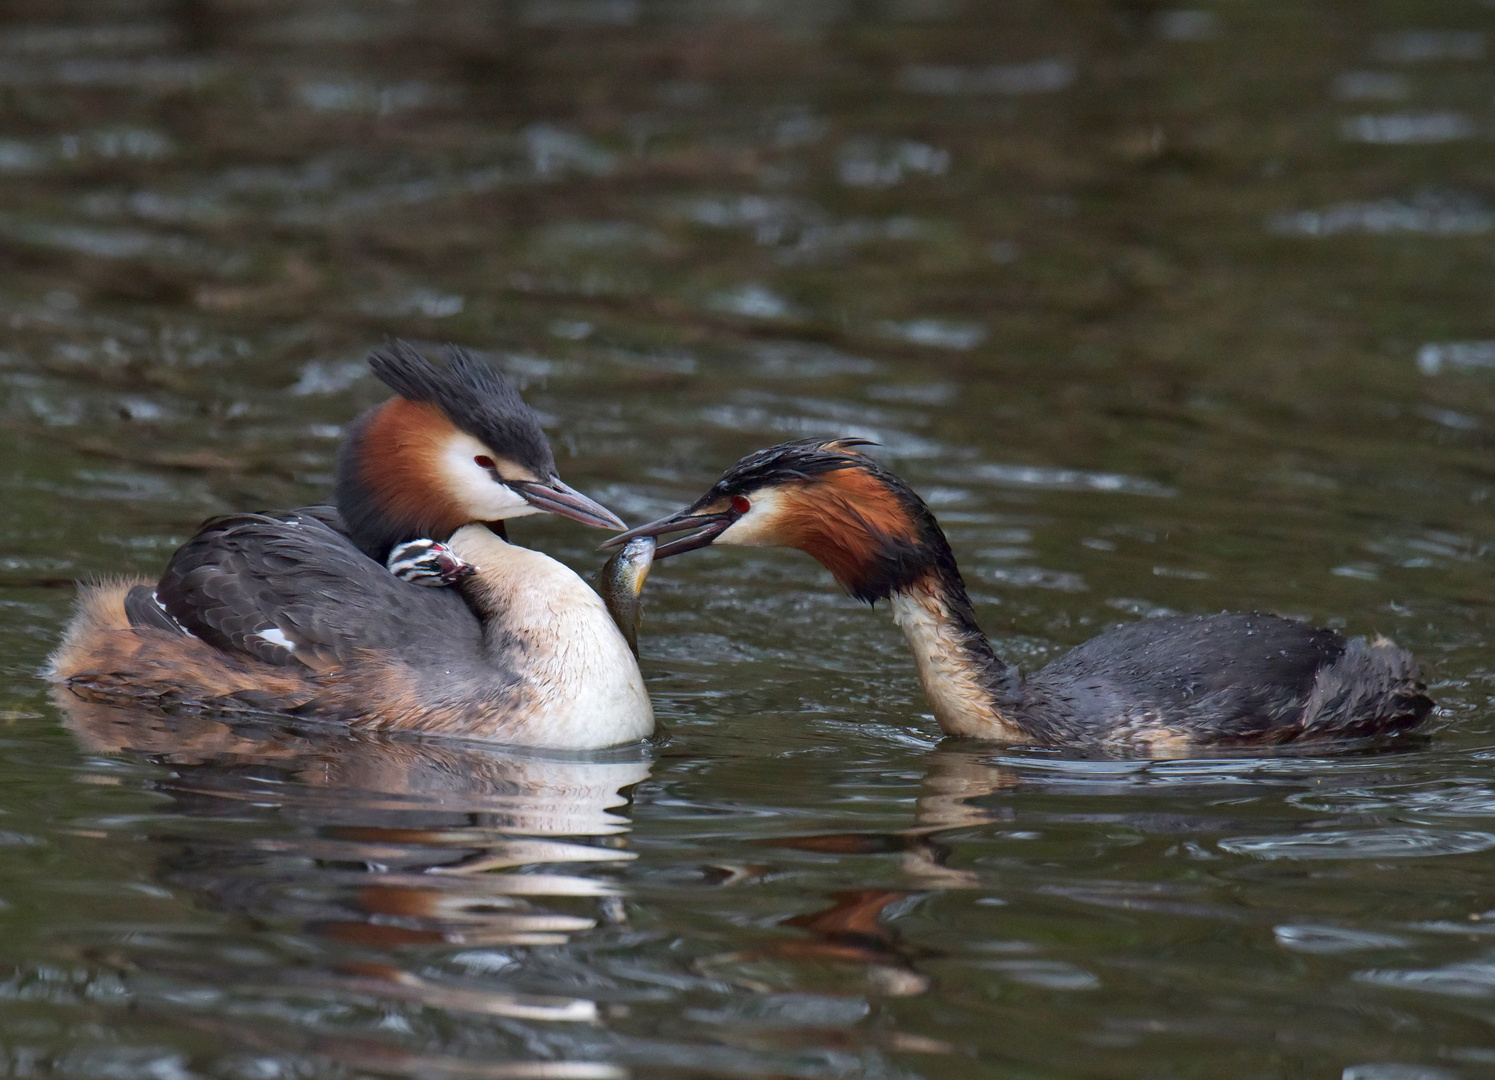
1159, 684
289, 611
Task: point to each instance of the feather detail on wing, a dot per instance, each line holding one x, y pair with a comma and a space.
287, 589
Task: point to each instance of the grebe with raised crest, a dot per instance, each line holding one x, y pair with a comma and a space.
296, 612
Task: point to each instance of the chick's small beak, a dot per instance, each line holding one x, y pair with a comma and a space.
708, 527
555, 497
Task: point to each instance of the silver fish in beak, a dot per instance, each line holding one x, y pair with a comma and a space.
620, 583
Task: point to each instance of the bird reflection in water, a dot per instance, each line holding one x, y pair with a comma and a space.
852, 941
956, 775
851, 947
387, 845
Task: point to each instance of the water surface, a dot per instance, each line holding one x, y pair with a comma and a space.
1162, 310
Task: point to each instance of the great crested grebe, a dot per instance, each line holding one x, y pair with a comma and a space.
1158, 685
295, 611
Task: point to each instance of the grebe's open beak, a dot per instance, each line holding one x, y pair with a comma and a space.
709, 526
554, 497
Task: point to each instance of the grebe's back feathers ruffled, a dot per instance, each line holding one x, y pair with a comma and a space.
1235, 678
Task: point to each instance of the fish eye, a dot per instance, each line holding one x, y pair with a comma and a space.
741, 503
484, 461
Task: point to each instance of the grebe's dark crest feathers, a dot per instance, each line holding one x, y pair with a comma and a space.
802, 459
476, 397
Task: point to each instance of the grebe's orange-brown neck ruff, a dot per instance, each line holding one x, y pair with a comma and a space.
1158, 685
295, 611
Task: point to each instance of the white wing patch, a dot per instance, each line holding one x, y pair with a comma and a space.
273, 636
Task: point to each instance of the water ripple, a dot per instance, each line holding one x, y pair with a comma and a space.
1408, 129
1433, 215
1449, 798
1468, 979
1464, 355
1047, 974
1053, 479
1422, 46
1312, 938
1389, 843
1037, 77
1390, 1071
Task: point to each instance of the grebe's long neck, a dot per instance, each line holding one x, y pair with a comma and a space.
971, 690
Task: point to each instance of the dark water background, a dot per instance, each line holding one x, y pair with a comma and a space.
1162, 310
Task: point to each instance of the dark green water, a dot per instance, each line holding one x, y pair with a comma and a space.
1162, 310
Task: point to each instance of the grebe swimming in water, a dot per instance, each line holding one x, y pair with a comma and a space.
295, 611
1159, 684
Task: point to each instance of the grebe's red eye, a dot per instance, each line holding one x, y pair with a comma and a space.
741, 503
484, 461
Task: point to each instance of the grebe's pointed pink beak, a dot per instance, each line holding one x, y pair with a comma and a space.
709, 527
554, 497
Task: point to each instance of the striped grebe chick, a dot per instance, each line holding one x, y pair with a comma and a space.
1155, 686
295, 611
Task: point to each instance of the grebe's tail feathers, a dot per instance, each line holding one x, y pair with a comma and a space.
1372, 688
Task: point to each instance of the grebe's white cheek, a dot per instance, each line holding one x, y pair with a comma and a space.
759, 526
481, 497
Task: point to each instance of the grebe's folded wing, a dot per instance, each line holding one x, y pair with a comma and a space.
330, 516
288, 588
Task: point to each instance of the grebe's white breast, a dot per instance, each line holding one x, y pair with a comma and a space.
554, 630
